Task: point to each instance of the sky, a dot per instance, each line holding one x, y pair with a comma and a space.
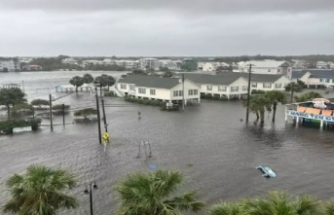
166, 27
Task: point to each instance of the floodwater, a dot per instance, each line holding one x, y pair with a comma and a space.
208, 143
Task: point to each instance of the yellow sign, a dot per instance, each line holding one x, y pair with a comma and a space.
105, 138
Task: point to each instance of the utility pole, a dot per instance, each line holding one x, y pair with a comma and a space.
104, 116
98, 116
182, 91
292, 91
51, 122
248, 91
63, 114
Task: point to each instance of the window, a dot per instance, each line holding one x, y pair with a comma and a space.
132, 87
244, 88
209, 87
266, 85
191, 92
278, 85
195, 92
152, 92
320, 79
177, 93
142, 91
254, 85
268, 70
328, 80
221, 88
234, 89
123, 86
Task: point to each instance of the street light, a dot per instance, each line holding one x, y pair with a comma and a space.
90, 192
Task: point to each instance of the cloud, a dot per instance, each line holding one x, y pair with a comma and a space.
180, 6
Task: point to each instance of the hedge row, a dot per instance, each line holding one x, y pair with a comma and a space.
7, 126
143, 101
215, 97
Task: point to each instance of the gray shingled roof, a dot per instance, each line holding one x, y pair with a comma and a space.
150, 81
212, 79
315, 73
227, 78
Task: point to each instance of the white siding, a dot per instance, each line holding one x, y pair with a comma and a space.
188, 85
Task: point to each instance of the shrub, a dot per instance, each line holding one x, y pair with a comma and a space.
85, 112
208, 96
255, 92
110, 94
22, 106
216, 97
7, 127
224, 98
38, 102
60, 107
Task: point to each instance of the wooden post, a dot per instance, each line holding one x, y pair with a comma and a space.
248, 91
183, 92
104, 116
51, 122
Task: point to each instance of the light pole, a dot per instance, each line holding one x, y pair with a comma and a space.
90, 192
248, 91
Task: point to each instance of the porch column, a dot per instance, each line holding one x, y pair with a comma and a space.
297, 121
286, 114
321, 124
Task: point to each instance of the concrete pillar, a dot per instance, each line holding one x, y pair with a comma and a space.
321, 124
297, 121
286, 114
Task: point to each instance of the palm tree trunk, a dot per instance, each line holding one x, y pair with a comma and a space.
100, 90
292, 91
262, 117
76, 89
274, 111
8, 112
257, 116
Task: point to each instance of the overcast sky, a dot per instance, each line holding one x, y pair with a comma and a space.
166, 27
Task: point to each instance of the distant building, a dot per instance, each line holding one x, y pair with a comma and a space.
270, 67
212, 66
10, 65
128, 64
171, 65
25, 59
92, 62
149, 63
322, 65
314, 78
70, 61
301, 64
32, 68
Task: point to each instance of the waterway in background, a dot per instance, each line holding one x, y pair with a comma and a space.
209, 143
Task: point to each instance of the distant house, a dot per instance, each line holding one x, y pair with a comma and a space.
315, 78
322, 65
32, 68
266, 82
9, 65
70, 61
171, 65
271, 67
158, 88
212, 66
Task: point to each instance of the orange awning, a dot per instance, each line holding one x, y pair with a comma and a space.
327, 112
301, 109
312, 110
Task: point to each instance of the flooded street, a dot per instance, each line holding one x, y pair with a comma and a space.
209, 143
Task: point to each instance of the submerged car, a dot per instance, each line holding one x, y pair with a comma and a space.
267, 172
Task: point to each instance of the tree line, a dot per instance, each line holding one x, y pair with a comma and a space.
43, 191
100, 81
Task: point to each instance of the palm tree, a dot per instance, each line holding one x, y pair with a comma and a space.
226, 208
10, 97
88, 78
293, 87
40, 191
275, 97
307, 96
258, 104
328, 208
152, 194
77, 81
281, 203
